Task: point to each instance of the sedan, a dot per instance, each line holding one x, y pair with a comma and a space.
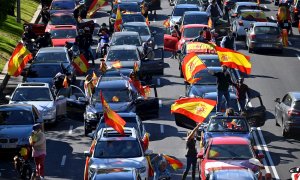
60, 19
52, 55
126, 18
58, 6
143, 30
60, 34
194, 17
126, 38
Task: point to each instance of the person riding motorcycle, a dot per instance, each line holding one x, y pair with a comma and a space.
284, 17
214, 11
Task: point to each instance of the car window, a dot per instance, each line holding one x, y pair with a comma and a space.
266, 30
62, 20
32, 94
227, 125
48, 71
118, 149
51, 57
195, 19
287, 100
246, 7
229, 151
16, 117
206, 78
180, 11
122, 55
142, 30
188, 2
191, 32
133, 18
126, 40
113, 95
240, 174
63, 33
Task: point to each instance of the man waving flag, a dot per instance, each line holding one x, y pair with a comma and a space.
191, 65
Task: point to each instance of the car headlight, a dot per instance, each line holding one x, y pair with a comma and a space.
142, 169
91, 116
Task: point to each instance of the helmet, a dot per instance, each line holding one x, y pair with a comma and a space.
80, 31
37, 127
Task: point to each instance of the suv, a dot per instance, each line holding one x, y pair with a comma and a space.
40, 95
113, 150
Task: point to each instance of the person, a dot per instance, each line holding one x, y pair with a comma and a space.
89, 87
214, 11
160, 167
38, 142
144, 9
207, 34
283, 16
200, 38
228, 41
45, 40
148, 51
88, 41
80, 39
229, 112
45, 15
28, 34
83, 11
58, 80
103, 30
191, 156
241, 91
177, 31
223, 82
177, 34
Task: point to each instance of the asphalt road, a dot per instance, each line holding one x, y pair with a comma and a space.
272, 75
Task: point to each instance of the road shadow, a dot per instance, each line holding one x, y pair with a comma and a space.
156, 134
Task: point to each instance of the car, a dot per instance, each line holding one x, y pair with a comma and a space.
264, 35
16, 123
126, 18
126, 38
143, 30
121, 98
58, 6
117, 173
228, 152
238, 6
194, 17
287, 113
244, 20
52, 55
229, 4
229, 173
39, 94
62, 33
178, 12
113, 150
60, 19
197, 2
137, 1
294, 10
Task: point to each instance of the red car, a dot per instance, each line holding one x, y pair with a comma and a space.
62, 33
60, 19
228, 153
188, 32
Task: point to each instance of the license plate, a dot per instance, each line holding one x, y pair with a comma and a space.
285, 24
8, 146
266, 45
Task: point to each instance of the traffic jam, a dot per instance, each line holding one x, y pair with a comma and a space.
150, 89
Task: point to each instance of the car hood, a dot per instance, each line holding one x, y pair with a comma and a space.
61, 42
230, 164
118, 107
15, 131
104, 163
125, 64
40, 105
146, 38
43, 80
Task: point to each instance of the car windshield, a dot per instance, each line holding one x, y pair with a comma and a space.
127, 8
191, 32
118, 149
113, 95
32, 94
180, 11
142, 30
122, 55
62, 5
126, 39
51, 57
16, 117
45, 71
206, 78
211, 62
195, 19
230, 151
266, 30
232, 174
62, 20
247, 7
227, 125
132, 18
188, 2
63, 33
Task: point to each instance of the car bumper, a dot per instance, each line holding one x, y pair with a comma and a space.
265, 45
293, 126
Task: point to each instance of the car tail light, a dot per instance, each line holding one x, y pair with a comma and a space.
293, 112
252, 36
241, 23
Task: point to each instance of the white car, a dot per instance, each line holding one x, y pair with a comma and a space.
39, 95
244, 19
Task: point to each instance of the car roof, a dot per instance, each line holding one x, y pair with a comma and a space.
113, 84
52, 49
194, 25
295, 95
195, 13
135, 24
123, 47
33, 85
246, 4
125, 33
186, 6
229, 140
27, 107
265, 24
251, 10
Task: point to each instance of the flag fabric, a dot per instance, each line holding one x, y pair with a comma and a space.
234, 59
95, 79
135, 67
210, 23
65, 82
151, 169
145, 141
142, 90
196, 109
166, 23
103, 67
118, 21
147, 21
285, 38
18, 60
111, 118
95, 6
191, 65
258, 2
87, 159
81, 64
174, 163
116, 64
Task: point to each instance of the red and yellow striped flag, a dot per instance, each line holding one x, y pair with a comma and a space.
95, 78
103, 67
166, 23
174, 163
147, 21
18, 60
135, 67
151, 169
191, 65
196, 109
210, 23
81, 64
65, 82
145, 141
118, 21
95, 6
116, 64
234, 59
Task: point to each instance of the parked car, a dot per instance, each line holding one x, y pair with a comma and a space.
39, 94
16, 122
287, 113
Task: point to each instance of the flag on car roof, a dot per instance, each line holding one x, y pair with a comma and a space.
116, 64
196, 109
174, 163
65, 82
118, 21
95, 6
234, 59
166, 23
191, 65
111, 118
18, 60
81, 64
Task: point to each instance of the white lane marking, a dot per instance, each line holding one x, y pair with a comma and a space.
264, 145
71, 129
162, 128
160, 103
63, 161
298, 57
272, 17
158, 81
290, 44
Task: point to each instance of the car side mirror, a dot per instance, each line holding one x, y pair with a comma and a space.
148, 152
8, 97
200, 155
60, 97
87, 154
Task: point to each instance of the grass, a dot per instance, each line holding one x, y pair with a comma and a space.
11, 31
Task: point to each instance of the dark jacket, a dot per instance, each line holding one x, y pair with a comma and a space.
223, 80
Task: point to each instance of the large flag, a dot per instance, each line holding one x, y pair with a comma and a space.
210, 23
135, 67
174, 163
81, 64
196, 109
116, 64
191, 65
111, 117
118, 21
166, 23
234, 59
18, 60
95, 6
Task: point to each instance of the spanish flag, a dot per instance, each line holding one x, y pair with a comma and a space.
166, 23
118, 21
81, 64
116, 64
87, 160
145, 141
191, 65
196, 109
285, 40
234, 59
174, 163
210, 23
111, 118
147, 21
65, 82
103, 67
142, 90
95, 78
135, 67
18, 60
95, 6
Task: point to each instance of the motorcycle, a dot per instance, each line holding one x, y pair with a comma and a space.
23, 165
295, 173
102, 46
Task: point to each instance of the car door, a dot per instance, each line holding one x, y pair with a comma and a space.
154, 66
147, 108
255, 111
170, 42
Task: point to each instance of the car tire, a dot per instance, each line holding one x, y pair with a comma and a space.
250, 50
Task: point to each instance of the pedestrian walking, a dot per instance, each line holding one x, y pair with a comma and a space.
242, 90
